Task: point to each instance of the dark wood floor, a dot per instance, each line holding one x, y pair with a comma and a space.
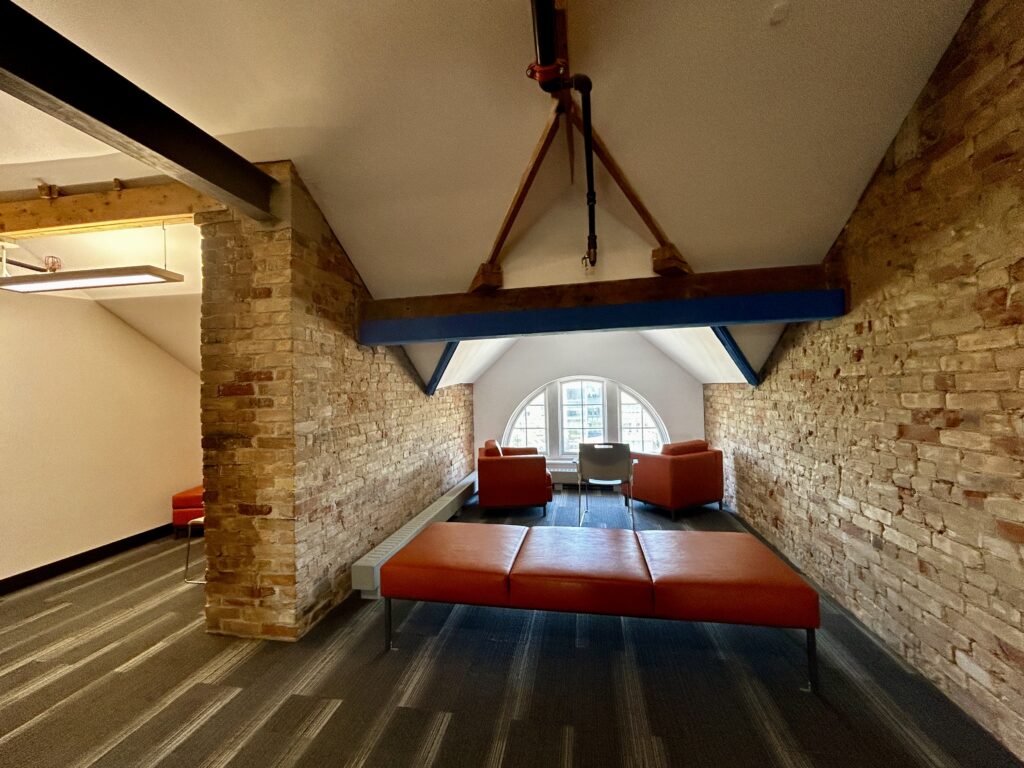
109, 666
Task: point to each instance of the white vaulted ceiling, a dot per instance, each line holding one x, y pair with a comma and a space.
411, 122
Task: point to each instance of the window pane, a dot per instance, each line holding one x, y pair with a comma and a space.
572, 416
595, 417
571, 392
538, 400
627, 399
572, 439
595, 435
518, 438
635, 438
537, 438
631, 416
652, 440
649, 420
534, 416
593, 392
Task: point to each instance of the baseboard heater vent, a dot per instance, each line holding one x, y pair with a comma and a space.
366, 570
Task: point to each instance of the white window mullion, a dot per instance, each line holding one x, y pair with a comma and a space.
554, 414
611, 410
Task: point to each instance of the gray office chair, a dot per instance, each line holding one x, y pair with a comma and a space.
604, 464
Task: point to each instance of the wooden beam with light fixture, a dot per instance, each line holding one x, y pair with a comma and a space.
771, 295
143, 206
49, 72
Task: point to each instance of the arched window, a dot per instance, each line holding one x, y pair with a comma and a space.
530, 426
557, 417
638, 425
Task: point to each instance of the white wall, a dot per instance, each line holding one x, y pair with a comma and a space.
620, 355
98, 428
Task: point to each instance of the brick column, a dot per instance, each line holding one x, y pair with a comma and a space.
248, 428
315, 448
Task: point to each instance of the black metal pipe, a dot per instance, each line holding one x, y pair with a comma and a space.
23, 265
387, 624
544, 34
583, 84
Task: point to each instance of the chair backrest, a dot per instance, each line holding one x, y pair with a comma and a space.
606, 461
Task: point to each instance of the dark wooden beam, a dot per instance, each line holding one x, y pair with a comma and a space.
48, 71
492, 266
774, 295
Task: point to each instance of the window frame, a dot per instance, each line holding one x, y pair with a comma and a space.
611, 413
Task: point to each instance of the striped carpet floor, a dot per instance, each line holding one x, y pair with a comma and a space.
110, 666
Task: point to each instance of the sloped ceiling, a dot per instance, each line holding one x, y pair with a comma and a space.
166, 314
749, 128
698, 352
170, 322
411, 122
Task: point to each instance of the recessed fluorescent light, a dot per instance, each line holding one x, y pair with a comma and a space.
88, 278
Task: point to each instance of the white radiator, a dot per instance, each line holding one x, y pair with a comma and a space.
366, 570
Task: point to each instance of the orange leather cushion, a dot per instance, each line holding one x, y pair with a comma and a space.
189, 499
491, 448
687, 446
180, 517
509, 451
582, 570
727, 577
455, 563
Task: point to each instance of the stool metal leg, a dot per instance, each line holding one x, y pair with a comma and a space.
188, 551
387, 624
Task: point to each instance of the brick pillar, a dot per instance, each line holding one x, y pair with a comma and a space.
247, 426
315, 448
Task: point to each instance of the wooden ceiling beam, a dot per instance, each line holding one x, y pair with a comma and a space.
666, 258
772, 295
488, 276
48, 71
128, 207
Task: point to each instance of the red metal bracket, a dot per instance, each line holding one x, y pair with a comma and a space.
547, 72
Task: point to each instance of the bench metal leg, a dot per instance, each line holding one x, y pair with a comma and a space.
387, 624
812, 660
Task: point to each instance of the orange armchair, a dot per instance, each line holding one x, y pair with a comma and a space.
512, 477
682, 475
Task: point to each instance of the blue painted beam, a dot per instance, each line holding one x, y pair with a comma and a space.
792, 306
736, 354
442, 365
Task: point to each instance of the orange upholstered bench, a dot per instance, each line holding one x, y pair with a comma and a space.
185, 506
710, 576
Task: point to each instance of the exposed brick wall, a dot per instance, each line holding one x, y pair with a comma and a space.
371, 449
883, 452
315, 448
